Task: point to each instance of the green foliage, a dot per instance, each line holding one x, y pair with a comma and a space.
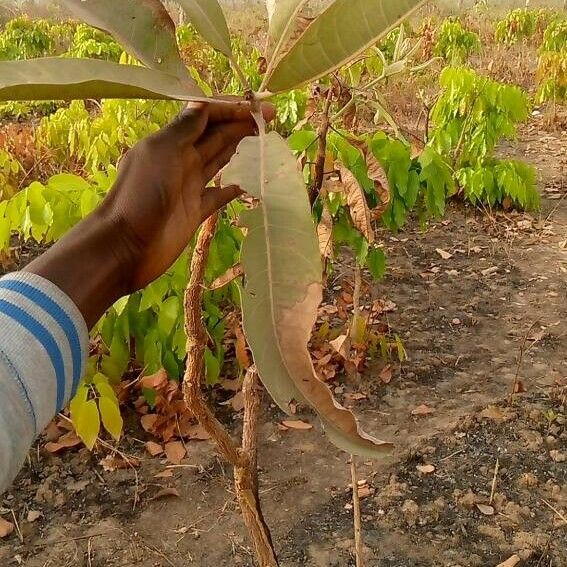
10, 169
89, 42
21, 110
520, 25
23, 38
552, 65
473, 114
96, 141
96, 402
455, 43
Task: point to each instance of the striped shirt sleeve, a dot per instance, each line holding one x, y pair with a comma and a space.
43, 351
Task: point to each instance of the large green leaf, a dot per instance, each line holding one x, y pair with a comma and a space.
54, 78
143, 27
342, 31
282, 16
283, 290
208, 18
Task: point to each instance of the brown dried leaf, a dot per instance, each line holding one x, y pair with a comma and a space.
342, 345
297, 424
422, 410
67, 441
168, 473
356, 200
510, 562
386, 374
425, 469
443, 253
325, 233
494, 413
198, 433
154, 449
155, 381
148, 422
116, 462
241, 350
6, 528
230, 275
175, 452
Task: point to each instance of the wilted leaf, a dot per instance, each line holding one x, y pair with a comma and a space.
297, 424
148, 422
386, 374
198, 433
116, 462
175, 452
144, 28
485, 509
422, 410
33, 515
154, 449
65, 442
281, 259
168, 473
342, 345
444, 254
236, 402
230, 275
240, 347
425, 469
356, 200
493, 413
154, 381
510, 562
325, 233
6, 528
344, 30
60, 78
208, 18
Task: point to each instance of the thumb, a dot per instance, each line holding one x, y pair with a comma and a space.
214, 198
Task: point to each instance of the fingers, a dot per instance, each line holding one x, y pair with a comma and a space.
218, 162
223, 112
188, 126
214, 198
221, 136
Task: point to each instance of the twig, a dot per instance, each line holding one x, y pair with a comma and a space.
519, 365
196, 341
358, 543
20, 535
493, 488
70, 539
559, 514
317, 183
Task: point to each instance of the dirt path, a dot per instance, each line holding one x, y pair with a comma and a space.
463, 321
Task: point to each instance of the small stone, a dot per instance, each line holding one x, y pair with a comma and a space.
410, 510
557, 456
551, 441
527, 480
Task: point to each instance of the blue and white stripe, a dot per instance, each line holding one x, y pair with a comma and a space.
43, 351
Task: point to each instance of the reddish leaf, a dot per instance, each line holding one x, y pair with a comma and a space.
175, 452
297, 424
154, 449
6, 528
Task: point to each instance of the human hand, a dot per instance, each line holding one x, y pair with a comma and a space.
155, 207
161, 198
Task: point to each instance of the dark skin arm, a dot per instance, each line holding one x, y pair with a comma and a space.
157, 204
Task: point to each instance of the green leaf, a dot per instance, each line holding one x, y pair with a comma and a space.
111, 418
54, 78
281, 259
377, 263
212, 367
144, 28
343, 31
208, 18
169, 312
104, 388
87, 423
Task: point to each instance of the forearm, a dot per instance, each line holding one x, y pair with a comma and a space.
90, 265
43, 351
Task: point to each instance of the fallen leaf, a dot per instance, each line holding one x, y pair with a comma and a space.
33, 515
112, 463
341, 345
148, 421
165, 493
485, 509
297, 424
154, 381
164, 474
489, 271
444, 254
198, 433
356, 397
236, 402
231, 385
364, 491
425, 469
386, 374
6, 528
154, 449
64, 442
510, 562
175, 452
422, 410
494, 413
519, 388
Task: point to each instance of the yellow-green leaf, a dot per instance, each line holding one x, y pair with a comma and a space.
77, 403
145, 29
208, 18
87, 424
340, 33
111, 418
104, 388
54, 78
281, 260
